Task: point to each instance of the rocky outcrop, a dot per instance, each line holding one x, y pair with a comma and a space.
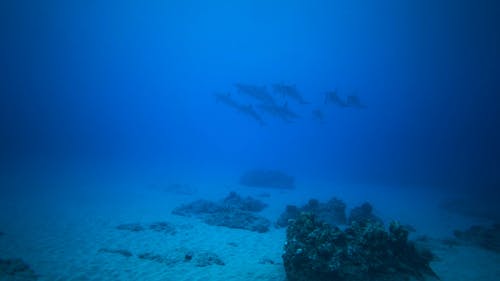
485, 237
317, 251
233, 212
332, 212
364, 213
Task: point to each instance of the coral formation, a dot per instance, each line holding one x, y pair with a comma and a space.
233, 212
364, 213
332, 212
317, 251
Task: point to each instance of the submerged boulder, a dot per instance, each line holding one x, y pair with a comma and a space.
233, 212
318, 251
332, 212
235, 201
485, 237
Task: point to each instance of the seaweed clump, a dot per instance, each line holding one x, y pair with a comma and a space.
317, 251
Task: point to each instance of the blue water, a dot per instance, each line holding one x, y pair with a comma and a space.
111, 97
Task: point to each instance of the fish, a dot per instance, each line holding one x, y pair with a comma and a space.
289, 91
353, 101
250, 111
282, 112
259, 93
333, 97
318, 115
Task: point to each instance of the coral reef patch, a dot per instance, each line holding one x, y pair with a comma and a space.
318, 251
332, 212
232, 212
267, 179
363, 213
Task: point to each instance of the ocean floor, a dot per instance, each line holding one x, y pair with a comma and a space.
71, 233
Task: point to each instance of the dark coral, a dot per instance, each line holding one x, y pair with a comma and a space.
16, 269
267, 178
233, 212
485, 237
364, 213
317, 251
332, 212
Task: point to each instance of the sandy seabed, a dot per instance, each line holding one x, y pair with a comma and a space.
59, 233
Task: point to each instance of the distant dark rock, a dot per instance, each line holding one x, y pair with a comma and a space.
317, 251
332, 212
134, 227
2, 233
364, 213
267, 179
233, 212
158, 258
233, 200
164, 227
16, 269
207, 258
485, 237
122, 252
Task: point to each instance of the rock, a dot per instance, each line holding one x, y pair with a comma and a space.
16, 269
2, 233
233, 212
364, 213
332, 212
267, 178
122, 252
485, 237
208, 258
198, 207
164, 227
134, 227
238, 219
318, 251
233, 200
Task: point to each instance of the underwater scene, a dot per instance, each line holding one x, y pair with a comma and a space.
272, 140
